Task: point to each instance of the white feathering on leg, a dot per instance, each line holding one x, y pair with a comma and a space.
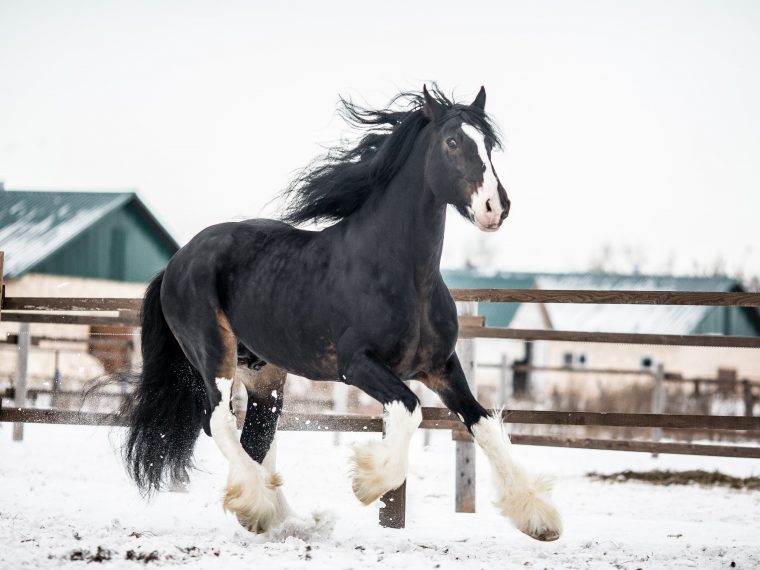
522, 498
270, 465
380, 466
286, 522
251, 491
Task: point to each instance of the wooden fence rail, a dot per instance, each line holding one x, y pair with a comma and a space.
54, 310
442, 419
72, 304
716, 299
130, 319
616, 338
694, 298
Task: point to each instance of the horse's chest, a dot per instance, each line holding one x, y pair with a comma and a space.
425, 346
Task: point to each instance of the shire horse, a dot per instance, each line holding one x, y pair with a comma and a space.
361, 302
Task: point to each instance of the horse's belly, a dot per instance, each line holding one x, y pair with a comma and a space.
313, 358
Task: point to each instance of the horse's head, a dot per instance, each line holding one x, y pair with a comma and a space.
458, 167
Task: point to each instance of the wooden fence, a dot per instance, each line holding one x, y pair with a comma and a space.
90, 311
748, 388
393, 513
125, 312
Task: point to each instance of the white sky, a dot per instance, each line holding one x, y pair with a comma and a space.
634, 124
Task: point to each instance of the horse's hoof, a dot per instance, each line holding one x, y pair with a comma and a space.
253, 498
257, 520
530, 509
256, 526
374, 471
545, 535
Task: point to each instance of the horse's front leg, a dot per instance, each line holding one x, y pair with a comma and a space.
380, 466
522, 498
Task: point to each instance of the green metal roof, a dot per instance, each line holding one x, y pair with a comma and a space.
34, 225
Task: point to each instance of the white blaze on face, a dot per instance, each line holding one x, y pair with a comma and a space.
486, 197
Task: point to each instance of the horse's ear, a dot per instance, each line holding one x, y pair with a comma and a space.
480, 100
432, 109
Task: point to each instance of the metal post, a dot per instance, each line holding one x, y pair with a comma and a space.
465, 450
658, 400
22, 363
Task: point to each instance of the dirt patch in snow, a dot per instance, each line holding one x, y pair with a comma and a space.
695, 477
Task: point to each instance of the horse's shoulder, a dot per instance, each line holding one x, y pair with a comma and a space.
440, 292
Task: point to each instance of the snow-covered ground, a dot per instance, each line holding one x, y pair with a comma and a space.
64, 494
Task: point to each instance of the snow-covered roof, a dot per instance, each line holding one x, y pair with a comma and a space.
660, 319
33, 225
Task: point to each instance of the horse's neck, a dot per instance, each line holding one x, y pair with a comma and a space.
403, 225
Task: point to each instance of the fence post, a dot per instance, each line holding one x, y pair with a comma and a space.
465, 450
521, 378
749, 398
56, 380
428, 400
504, 370
2, 292
22, 363
658, 399
340, 405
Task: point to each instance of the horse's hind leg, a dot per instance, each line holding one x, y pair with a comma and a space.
251, 492
211, 346
265, 389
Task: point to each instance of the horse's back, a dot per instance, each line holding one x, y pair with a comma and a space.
208, 273
230, 246
255, 272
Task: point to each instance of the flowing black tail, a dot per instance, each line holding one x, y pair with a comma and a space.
165, 413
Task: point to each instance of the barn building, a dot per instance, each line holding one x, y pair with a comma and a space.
75, 244
93, 235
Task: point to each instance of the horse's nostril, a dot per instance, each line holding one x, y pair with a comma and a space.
488, 205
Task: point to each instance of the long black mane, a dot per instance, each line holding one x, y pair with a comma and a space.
338, 183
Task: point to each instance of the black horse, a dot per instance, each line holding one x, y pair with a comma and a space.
361, 302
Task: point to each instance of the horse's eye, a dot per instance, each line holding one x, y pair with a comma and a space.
451, 143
